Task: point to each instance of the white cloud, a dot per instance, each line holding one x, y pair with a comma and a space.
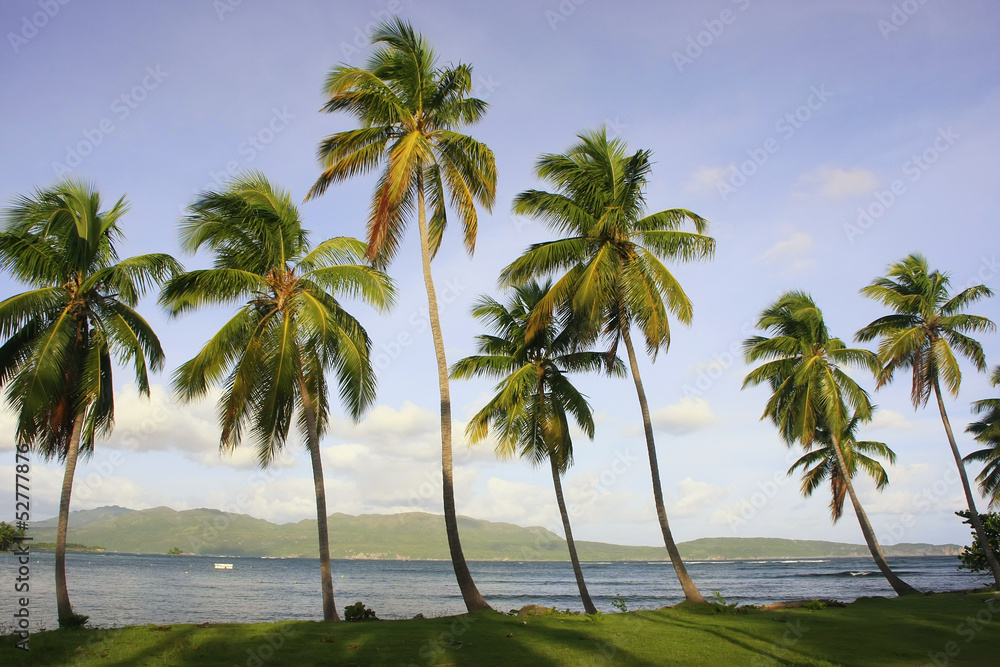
889, 420
913, 491
835, 183
8, 425
693, 498
781, 251
160, 423
515, 502
705, 179
686, 416
789, 253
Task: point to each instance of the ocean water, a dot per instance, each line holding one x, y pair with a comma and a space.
128, 589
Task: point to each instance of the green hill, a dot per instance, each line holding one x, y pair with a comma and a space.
410, 535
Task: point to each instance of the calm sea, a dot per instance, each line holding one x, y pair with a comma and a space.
128, 589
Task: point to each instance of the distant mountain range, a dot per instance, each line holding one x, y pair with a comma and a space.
406, 536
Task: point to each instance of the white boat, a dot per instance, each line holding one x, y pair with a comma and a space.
223, 566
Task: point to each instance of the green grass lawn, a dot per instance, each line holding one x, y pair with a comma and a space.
951, 629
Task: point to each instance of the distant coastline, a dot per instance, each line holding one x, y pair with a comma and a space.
405, 536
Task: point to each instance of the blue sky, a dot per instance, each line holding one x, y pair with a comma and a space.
822, 140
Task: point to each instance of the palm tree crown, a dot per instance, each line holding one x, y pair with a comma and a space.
820, 464
802, 365
62, 335
926, 328
534, 400
409, 109
613, 249
289, 327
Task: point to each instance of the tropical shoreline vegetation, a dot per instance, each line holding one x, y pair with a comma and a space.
574, 303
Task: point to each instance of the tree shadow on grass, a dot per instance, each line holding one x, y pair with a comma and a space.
781, 650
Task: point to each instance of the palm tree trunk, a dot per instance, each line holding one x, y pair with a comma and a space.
470, 594
326, 572
984, 542
691, 591
898, 585
63, 606
588, 604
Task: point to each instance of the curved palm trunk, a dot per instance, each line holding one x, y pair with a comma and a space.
470, 594
588, 604
326, 573
691, 591
898, 585
984, 542
63, 606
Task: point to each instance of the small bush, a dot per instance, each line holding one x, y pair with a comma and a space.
359, 612
620, 602
721, 605
73, 621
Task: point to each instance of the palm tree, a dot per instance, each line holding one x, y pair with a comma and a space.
529, 412
272, 355
612, 257
987, 432
926, 328
409, 109
814, 401
63, 335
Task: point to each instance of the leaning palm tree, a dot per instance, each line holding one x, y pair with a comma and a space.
814, 401
63, 336
272, 356
922, 335
410, 110
533, 401
987, 432
611, 261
